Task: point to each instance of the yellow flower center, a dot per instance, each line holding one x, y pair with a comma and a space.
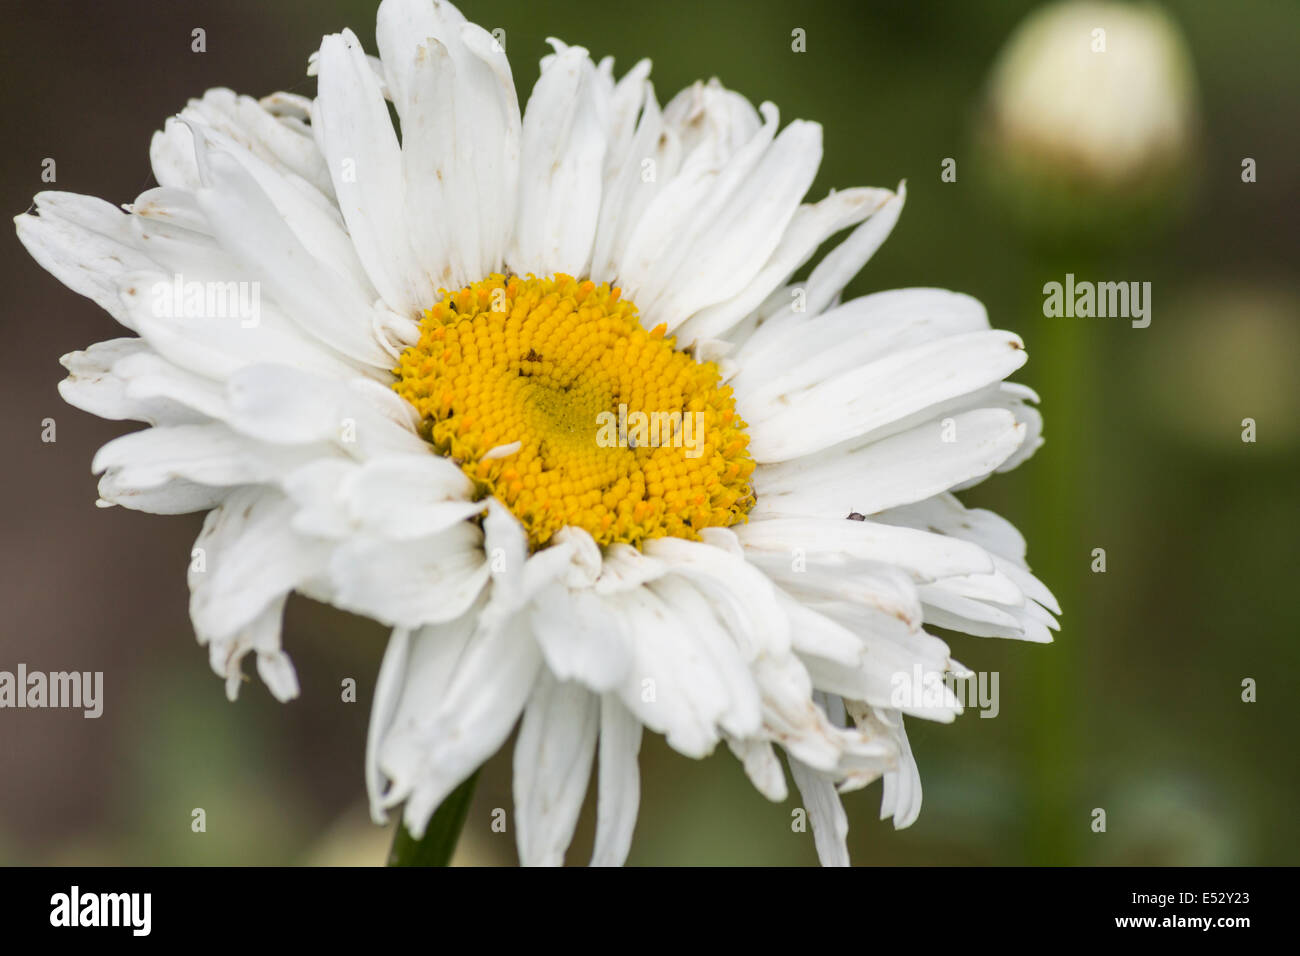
553, 398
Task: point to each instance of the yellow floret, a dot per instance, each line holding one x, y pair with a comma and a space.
537, 361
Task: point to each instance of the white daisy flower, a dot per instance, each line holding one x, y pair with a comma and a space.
431, 418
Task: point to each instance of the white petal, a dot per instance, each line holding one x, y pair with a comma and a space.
172, 498
816, 412
209, 454
290, 151
247, 223
352, 126
582, 638
109, 380
829, 821
149, 378
846, 260
872, 476
811, 225
741, 594
628, 184
552, 765
410, 583
440, 737
85, 243
410, 496
619, 786
881, 612
1020, 401
944, 513
737, 237
401, 27
262, 636
308, 211
687, 206
901, 796
625, 567
803, 729
460, 119
383, 708
671, 687
707, 116
851, 335
250, 557
924, 555
762, 767
560, 174
284, 405
741, 712
217, 346
967, 615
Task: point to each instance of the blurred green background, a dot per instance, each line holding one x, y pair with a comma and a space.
1135, 709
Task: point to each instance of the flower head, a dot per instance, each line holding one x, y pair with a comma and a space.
538, 390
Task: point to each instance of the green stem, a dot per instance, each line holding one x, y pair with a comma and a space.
1062, 348
440, 837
